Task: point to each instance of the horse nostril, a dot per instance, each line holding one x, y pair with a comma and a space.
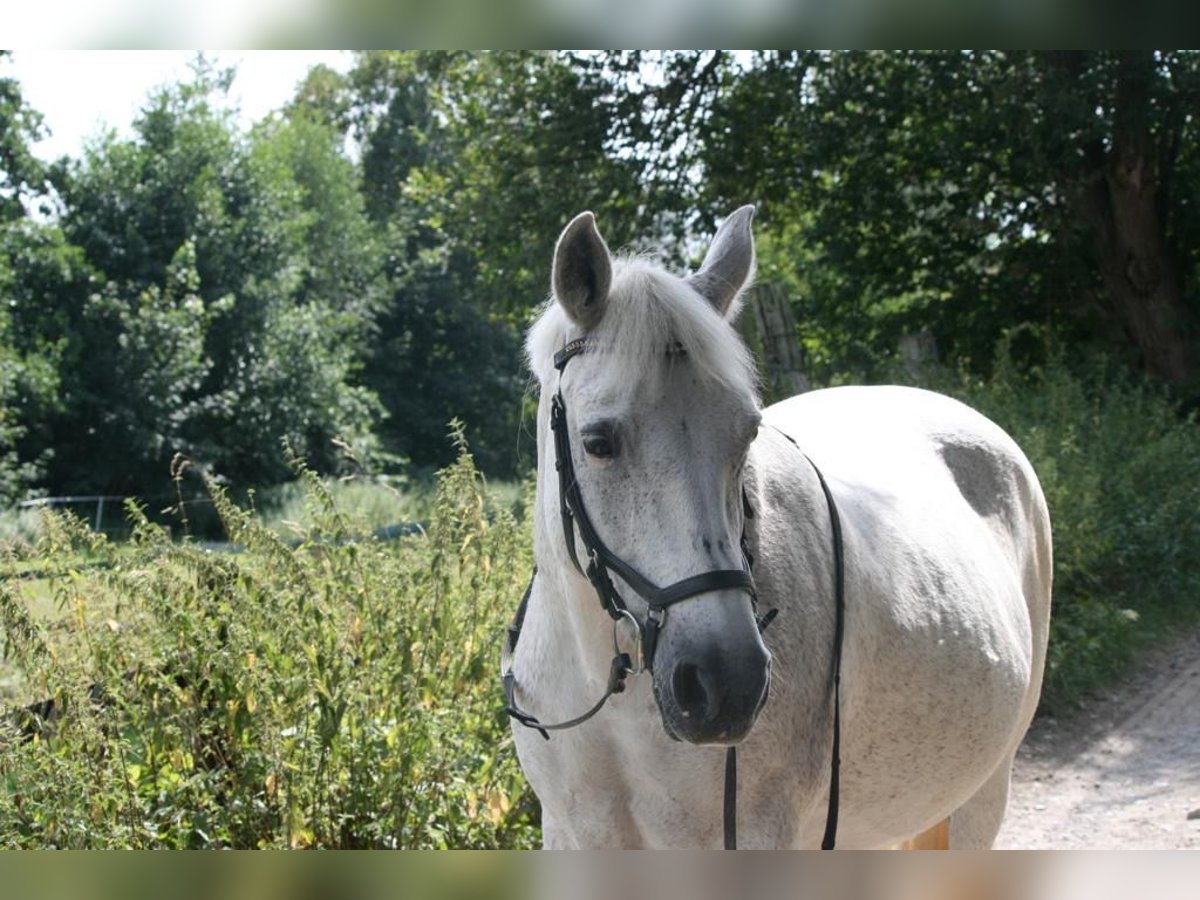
687, 683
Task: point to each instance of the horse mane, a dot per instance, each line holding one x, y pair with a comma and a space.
651, 315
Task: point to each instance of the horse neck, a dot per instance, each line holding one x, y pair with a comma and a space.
790, 535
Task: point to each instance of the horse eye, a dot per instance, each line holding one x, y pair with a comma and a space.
599, 446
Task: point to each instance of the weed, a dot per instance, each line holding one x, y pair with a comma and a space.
335, 692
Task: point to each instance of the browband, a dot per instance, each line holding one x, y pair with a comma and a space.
572, 348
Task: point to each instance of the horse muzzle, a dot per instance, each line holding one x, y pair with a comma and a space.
707, 695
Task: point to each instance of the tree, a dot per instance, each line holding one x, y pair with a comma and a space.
1120, 126
28, 375
472, 164
280, 266
22, 176
970, 192
29, 387
132, 374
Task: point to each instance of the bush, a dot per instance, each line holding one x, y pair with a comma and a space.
1120, 467
339, 693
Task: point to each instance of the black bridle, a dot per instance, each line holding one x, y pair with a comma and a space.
600, 559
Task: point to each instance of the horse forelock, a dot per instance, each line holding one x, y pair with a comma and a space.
650, 317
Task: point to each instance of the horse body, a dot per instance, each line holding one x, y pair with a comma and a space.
947, 560
948, 585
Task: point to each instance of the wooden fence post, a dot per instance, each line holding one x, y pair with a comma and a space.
769, 328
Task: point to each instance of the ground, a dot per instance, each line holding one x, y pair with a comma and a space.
1123, 772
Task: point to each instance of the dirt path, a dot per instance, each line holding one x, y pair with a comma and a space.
1124, 773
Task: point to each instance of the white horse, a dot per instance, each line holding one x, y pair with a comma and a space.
947, 566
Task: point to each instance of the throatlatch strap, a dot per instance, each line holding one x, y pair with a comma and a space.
518, 622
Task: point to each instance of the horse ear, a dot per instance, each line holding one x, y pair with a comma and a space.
582, 271
729, 264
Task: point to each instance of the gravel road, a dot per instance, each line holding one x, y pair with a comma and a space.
1122, 773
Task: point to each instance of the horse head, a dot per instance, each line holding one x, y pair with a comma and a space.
657, 398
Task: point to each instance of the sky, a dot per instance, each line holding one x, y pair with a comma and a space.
80, 91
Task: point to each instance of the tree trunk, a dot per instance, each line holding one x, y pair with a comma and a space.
1142, 279
1141, 272
770, 328
1118, 201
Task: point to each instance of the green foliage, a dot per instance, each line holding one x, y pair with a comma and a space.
135, 368
338, 693
29, 374
1121, 472
299, 383
335, 249
22, 176
24, 382
371, 502
19, 528
473, 162
28, 371
551, 121
443, 348
239, 282
437, 356
966, 193
894, 174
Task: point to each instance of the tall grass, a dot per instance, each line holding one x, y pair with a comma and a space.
373, 503
19, 527
338, 693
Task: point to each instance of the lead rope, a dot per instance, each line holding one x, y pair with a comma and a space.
839, 632
731, 798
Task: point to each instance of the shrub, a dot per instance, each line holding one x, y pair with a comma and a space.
338, 693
